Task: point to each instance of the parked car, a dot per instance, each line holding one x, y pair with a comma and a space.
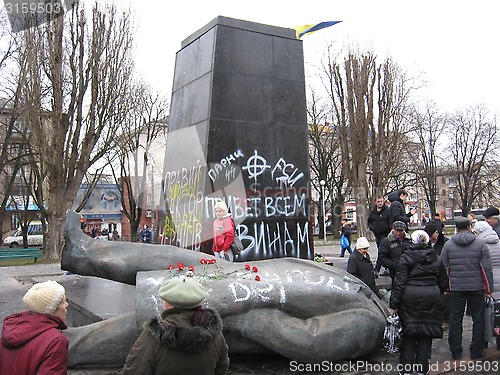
35, 236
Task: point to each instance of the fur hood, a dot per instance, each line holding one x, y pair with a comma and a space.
175, 330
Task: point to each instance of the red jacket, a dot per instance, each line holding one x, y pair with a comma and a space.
223, 234
32, 343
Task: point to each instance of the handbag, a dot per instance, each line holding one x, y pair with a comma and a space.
496, 322
237, 245
344, 242
489, 318
392, 334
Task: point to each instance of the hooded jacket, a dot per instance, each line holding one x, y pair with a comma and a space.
491, 238
397, 209
467, 260
32, 343
420, 280
173, 346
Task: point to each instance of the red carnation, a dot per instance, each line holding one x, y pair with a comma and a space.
257, 277
180, 266
247, 267
213, 261
191, 268
255, 269
203, 261
170, 267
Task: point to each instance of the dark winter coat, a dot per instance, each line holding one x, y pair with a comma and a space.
32, 343
438, 246
468, 262
173, 346
379, 222
420, 280
391, 249
397, 210
362, 267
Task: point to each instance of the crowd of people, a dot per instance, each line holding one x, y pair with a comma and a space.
188, 338
434, 278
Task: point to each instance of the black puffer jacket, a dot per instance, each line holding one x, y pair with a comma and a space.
420, 280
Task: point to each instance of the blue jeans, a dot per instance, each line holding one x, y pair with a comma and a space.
342, 251
475, 304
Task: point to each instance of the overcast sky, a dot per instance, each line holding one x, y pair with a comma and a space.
453, 45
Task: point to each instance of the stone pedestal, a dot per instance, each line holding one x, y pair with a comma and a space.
238, 132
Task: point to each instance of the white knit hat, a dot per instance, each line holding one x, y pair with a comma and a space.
44, 297
362, 243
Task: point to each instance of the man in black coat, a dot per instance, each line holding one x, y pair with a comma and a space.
436, 239
438, 222
393, 246
379, 223
397, 210
492, 216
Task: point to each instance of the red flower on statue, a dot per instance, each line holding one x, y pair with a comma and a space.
170, 267
255, 269
180, 266
257, 277
213, 261
247, 267
203, 261
191, 268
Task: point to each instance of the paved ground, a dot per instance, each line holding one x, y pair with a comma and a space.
14, 281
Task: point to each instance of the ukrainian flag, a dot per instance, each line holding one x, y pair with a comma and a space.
308, 29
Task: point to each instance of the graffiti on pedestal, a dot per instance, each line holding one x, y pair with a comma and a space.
267, 200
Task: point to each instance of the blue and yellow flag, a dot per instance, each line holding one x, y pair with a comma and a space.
308, 29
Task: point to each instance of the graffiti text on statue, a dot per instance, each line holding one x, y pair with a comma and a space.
225, 164
285, 174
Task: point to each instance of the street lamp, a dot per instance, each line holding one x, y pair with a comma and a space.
323, 183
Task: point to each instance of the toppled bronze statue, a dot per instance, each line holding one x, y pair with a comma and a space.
303, 310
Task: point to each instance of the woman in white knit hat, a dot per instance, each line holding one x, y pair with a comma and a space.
32, 342
360, 264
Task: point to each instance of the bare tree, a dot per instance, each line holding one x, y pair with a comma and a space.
388, 141
428, 128
472, 154
130, 159
369, 104
325, 159
76, 96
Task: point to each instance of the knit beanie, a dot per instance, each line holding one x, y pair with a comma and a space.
362, 243
430, 229
44, 297
183, 292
